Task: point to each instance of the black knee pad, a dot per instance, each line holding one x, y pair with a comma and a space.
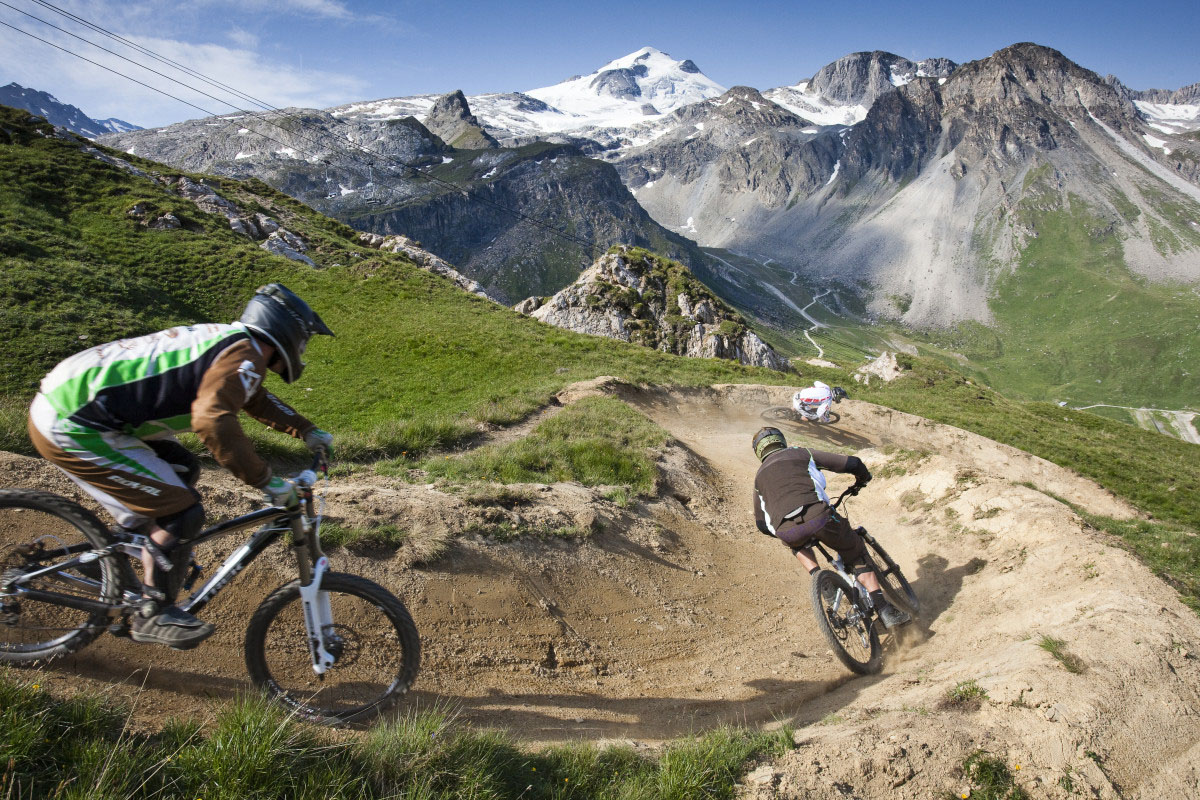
183, 525
185, 464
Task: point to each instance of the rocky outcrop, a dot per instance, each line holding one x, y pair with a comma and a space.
633, 295
884, 368
424, 259
451, 119
861, 78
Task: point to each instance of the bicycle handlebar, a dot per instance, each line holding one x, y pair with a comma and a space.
308, 478
853, 489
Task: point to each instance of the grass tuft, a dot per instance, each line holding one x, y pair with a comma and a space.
598, 441
966, 694
1058, 648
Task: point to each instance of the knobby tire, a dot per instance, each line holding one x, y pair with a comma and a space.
27, 516
844, 636
894, 584
380, 661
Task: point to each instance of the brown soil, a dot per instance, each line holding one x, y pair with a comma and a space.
675, 615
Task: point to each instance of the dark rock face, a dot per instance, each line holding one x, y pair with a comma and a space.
689, 66
498, 227
451, 119
620, 83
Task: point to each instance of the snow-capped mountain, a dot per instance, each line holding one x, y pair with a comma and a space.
645, 84
63, 115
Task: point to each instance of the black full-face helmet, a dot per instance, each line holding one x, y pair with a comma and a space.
280, 317
767, 441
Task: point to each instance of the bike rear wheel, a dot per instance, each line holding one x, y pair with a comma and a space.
892, 580
379, 651
846, 625
38, 529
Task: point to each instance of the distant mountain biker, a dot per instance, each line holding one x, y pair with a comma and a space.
790, 504
813, 403
107, 417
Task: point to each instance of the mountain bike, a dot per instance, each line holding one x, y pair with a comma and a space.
808, 412
847, 616
332, 648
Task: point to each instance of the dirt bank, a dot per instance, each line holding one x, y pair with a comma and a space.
676, 615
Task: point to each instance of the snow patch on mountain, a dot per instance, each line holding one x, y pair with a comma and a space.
1171, 118
814, 108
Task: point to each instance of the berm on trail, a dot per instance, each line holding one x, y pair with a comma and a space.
671, 614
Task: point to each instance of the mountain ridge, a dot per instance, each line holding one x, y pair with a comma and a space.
63, 114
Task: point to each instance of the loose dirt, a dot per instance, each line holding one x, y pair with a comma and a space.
674, 615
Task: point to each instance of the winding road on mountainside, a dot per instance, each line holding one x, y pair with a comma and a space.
678, 616
1184, 422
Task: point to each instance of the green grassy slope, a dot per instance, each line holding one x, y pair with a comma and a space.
412, 352
416, 361
1074, 323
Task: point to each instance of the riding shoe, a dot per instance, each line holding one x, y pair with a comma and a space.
893, 617
169, 625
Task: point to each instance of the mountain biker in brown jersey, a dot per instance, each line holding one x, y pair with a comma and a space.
790, 504
107, 417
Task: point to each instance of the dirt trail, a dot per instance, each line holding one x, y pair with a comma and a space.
677, 615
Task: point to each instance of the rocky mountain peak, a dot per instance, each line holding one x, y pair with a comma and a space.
451, 119
633, 295
61, 114
859, 78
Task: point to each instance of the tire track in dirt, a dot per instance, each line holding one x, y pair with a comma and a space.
678, 615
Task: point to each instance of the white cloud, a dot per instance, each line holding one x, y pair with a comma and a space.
320, 8
100, 93
242, 38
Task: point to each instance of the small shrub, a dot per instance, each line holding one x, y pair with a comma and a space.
966, 694
990, 778
489, 494
336, 534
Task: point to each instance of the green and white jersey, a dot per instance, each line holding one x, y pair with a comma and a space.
143, 386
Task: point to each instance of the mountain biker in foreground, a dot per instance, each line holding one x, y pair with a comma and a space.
107, 417
790, 504
814, 402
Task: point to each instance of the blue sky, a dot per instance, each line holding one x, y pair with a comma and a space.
326, 52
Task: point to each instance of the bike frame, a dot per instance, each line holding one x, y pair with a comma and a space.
301, 521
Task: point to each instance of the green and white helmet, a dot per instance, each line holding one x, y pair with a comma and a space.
767, 441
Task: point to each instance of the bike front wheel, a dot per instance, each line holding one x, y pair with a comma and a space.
892, 580
38, 530
846, 625
374, 642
